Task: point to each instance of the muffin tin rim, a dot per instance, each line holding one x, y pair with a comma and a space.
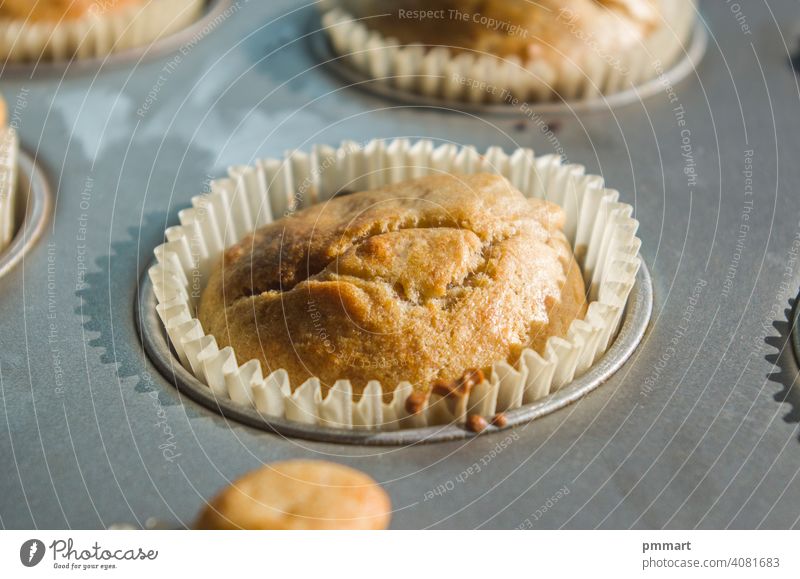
795, 329
635, 320
678, 71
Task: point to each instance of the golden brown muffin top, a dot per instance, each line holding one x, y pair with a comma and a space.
299, 495
415, 281
523, 28
56, 10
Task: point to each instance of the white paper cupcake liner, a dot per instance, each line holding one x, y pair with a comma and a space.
601, 230
484, 78
100, 32
9, 150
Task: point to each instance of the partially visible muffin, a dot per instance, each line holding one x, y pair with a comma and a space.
502, 50
9, 149
555, 29
417, 281
65, 29
56, 10
299, 495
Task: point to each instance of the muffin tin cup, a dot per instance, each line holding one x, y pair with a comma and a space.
468, 81
599, 227
9, 153
102, 36
795, 330
634, 324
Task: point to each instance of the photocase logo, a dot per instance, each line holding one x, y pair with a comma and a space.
31, 552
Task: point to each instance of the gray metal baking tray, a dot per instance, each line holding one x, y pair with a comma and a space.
698, 429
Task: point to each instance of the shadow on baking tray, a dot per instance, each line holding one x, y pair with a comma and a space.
104, 307
111, 283
786, 365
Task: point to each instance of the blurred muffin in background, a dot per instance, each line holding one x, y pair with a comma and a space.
9, 148
495, 50
64, 29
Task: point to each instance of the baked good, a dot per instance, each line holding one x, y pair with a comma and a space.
3, 112
501, 50
9, 149
299, 495
56, 10
552, 29
417, 281
64, 29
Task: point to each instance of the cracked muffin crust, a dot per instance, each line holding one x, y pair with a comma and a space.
415, 281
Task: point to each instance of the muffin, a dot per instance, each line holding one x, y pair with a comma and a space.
416, 281
509, 28
3, 112
432, 250
299, 495
9, 147
57, 10
496, 50
63, 29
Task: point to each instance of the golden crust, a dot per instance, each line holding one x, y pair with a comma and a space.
299, 495
558, 28
416, 281
57, 10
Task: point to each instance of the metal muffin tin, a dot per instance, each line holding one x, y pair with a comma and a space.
698, 428
685, 66
155, 340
